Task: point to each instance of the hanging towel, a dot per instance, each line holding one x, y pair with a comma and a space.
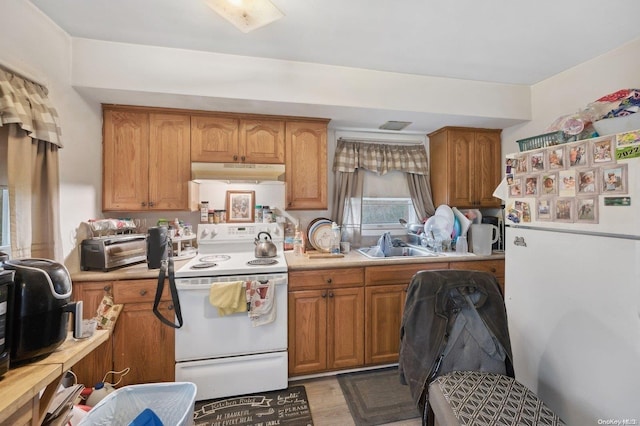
228, 297
261, 302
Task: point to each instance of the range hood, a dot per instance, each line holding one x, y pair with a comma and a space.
237, 172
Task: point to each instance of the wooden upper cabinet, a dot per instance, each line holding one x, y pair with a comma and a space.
146, 160
125, 156
306, 165
262, 141
169, 162
465, 166
214, 139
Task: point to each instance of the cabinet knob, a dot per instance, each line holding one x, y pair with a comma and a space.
290, 204
329, 280
107, 288
242, 158
324, 294
151, 204
143, 204
143, 292
493, 270
170, 307
235, 158
330, 294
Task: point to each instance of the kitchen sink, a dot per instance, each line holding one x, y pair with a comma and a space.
409, 251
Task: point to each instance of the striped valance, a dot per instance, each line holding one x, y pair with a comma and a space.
26, 103
380, 158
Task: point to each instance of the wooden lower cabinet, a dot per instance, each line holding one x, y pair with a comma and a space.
496, 267
385, 294
326, 320
139, 341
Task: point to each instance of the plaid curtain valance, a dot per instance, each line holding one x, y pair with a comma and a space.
380, 158
27, 104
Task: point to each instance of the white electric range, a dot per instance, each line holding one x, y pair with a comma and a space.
226, 355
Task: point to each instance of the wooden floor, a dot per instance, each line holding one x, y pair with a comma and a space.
328, 406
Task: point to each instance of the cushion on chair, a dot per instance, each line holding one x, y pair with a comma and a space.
476, 398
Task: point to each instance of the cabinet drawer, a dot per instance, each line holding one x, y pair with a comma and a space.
394, 274
138, 291
322, 278
496, 267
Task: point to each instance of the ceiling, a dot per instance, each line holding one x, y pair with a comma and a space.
504, 41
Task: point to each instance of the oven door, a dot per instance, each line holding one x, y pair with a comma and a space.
206, 335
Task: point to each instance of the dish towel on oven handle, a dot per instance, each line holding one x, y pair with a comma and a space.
261, 302
228, 297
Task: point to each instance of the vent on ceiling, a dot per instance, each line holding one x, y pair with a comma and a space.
394, 125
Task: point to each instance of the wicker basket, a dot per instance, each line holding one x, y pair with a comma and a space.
541, 141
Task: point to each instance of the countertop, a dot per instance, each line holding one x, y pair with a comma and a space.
295, 263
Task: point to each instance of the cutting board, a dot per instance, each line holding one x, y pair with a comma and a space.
320, 255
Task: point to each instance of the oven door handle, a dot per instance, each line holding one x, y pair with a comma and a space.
206, 286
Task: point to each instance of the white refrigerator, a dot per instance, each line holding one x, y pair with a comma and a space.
572, 285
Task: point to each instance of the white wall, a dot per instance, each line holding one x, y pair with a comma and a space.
31, 44
572, 90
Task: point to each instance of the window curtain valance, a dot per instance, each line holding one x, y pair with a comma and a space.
380, 158
27, 104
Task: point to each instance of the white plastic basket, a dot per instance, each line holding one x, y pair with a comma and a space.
173, 403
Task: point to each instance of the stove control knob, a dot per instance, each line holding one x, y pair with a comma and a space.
204, 233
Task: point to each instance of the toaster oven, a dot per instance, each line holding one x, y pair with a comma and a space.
113, 251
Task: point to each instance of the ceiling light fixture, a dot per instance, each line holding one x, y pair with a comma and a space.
246, 15
394, 125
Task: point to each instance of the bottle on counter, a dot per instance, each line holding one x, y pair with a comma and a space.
257, 218
335, 238
298, 243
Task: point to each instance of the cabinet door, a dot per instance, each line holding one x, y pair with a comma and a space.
144, 344
306, 166
262, 141
384, 307
93, 367
307, 331
214, 139
345, 328
461, 168
169, 162
487, 170
125, 154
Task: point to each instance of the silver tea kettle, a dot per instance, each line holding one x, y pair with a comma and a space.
265, 247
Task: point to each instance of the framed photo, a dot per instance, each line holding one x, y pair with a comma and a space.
567, 183
587, 209
240, 206
549, 184
515, 188
521, 164
537, 161
577, 155
602, 151
555, 158
531, 187
563, 211
614, 179
587, 179
544, 209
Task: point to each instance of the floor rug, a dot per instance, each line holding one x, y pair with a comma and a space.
376, 397
284, 407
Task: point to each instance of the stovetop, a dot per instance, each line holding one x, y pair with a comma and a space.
229, 249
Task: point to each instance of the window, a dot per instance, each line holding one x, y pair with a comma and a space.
385, 201
5, 239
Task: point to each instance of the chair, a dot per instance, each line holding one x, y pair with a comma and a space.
455, 353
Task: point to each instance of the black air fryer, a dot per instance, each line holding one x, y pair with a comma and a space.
157, 246
42, 303
6, 308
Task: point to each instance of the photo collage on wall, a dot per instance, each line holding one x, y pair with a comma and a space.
564, 181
